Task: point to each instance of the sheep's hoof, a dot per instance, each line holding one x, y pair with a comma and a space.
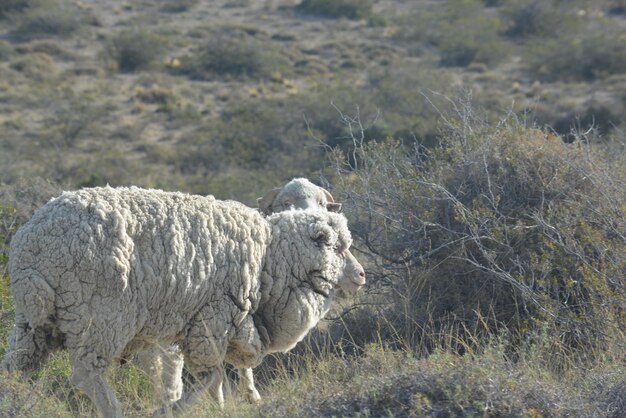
253, 397
165, 411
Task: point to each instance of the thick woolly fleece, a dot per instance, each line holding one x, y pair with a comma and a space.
109, 271
298, 193
105, 272
289, 306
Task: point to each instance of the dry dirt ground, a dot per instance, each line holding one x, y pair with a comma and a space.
50, 81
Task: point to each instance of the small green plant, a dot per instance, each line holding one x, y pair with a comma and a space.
9, 7
593, 50
351, 9
36, 66
616, 7
462, 32
493, 3
469, 41
533, 17
94, 180
6, 50
134, 49
177, 6
235, 55
54, 18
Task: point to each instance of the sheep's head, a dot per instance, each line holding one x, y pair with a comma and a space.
308, 259
299, 193
312, 248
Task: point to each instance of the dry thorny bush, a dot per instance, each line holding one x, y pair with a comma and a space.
500, 227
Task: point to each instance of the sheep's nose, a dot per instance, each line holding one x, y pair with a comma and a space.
360, 281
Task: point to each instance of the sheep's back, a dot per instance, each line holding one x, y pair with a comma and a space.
151, 256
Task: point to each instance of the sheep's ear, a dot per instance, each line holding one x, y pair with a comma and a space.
331, 206
265, 202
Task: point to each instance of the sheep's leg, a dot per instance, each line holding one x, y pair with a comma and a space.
172, 374
164, 366
246, 379
150, 362
209, 380
27, 349
87, 375
204, 348
245, 350
215, 386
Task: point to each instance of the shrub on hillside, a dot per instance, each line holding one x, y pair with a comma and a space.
471, 40
536, 17
6, 50
351, 9
493, 3
586, 52
51, 18
506, 226
170, 103
232, 54
36, 66
616, 6
405, 97
134, 50
248, 136
177, 6
256, 143
462, 32
9, 7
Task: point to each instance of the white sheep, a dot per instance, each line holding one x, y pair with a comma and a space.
299, 193
165, 365
107, 272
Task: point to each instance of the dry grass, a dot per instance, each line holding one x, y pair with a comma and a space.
447, 326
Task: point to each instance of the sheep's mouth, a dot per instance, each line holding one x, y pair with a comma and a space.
322, 286
350, 287
325, 293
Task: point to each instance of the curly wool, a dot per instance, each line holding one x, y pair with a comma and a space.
139, 264
106, 272
299, 193
290, 307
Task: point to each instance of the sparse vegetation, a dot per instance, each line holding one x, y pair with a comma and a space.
134, 49
534, 17
5, 51
351, 9
494, 240
177, 6
587, 51
462, 32
234, 55
514, 210
9, 7
40, 19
